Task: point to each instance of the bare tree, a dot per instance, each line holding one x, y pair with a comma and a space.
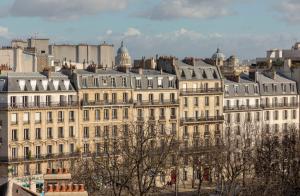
132, 161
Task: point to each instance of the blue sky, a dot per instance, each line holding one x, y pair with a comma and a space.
246, 28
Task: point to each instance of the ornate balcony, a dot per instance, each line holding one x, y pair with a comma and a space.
197, 91
105, 103
147, 103
40, 105
202, 120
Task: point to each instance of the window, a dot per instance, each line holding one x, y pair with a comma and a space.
86, 132
114, 131
49, 117
97, 131
217, 101
14, 152
185, 102
285, 114
124, 82
150, 98
159, 82
26, 134
48, 100
49, 133
14, 118
256, 102
138, 83
13, 101
25, 101
98, 148
37, 117
113, 82
38, 135
114, 97
86, 148
71, 132
60, 148
97, 97
238, 117
14, 135
294, 114
125, 97
49, 149
150, 83
60, 116
171, 83
97, 114
71, 116
106, 114
162, 112
267, 115
106, 131
114, 113
206, 101
26, 118
257, 116
275, 115
172, 97
173, 113
228, 118
161, 97
196, 101
85, 97
26, 169
105, 97
72, 148
84, 82
38, 151
85, 115
38, 168
125, 113
60, 132
139, 98
96, 82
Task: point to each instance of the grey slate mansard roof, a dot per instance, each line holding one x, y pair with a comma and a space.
265, 86
279, 85
103, 79
9, 82
199, 71
241, 86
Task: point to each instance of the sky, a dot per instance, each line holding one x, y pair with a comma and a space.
245, 28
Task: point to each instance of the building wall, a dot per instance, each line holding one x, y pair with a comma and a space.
107, 56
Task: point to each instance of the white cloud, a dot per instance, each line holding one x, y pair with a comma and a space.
4, 32
64, 9
109, 32
200, 9
132, 32
289, 10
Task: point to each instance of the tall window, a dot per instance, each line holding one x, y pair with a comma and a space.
97, 114
85, 115
60, 116
38, 135
49, 133
86, 132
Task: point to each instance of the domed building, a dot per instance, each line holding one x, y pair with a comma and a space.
218, 57
123, 58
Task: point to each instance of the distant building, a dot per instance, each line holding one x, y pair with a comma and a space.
123, 58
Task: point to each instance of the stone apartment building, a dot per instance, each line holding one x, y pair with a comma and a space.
259, 103
39, 115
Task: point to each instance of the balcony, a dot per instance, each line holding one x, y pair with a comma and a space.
279, 105
242, 107
202, 120
140, 118
105, 102
33, 105
147, 103
39, 157
197, 91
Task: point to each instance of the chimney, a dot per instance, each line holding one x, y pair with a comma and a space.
253, 75
235, 78
47, 72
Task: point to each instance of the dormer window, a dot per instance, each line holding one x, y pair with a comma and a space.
204, 75
226, 89
284, 88
124, 82
84, 82
138, 83
113, 82
96, 82
150, 83
246, 89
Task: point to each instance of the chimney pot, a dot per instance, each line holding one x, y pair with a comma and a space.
49, 171
56, 188
50, 188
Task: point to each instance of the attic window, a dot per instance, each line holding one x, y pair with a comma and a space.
204, 74
215, 75
182, 74
193, 74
